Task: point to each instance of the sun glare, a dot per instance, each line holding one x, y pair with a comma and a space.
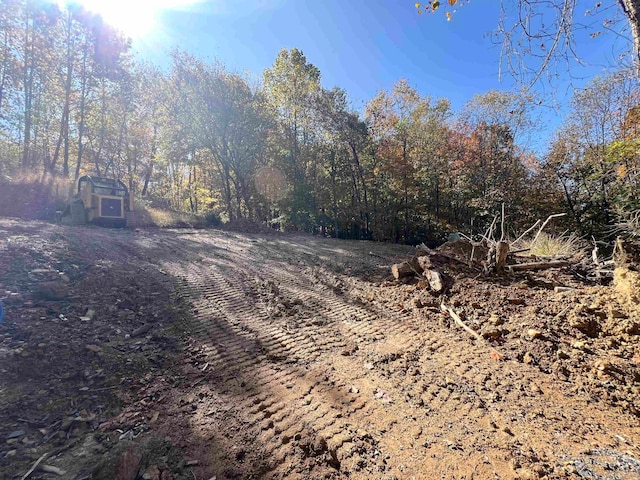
134, 18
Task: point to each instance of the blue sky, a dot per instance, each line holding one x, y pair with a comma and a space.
360, 46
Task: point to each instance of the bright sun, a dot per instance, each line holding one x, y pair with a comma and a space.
135, 18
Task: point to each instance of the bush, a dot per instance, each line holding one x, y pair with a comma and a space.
212, 219
560, 246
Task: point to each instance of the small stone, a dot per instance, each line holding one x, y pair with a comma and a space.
533, 333
602, 365
354, 389
527, 358
417, 303
495, 319
562, 354
516, 300
578, 345
11, 453
16, 434
93, 348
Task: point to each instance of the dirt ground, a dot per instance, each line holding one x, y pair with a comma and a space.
186, 354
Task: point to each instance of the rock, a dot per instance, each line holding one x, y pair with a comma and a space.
16, 434
528, 358
51, 291
562, 354
495, 319
602, 365
533, 333
578, 345
490, 332
516, 300
93, 348
88, 316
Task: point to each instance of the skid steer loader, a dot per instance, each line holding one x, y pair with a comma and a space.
99, 200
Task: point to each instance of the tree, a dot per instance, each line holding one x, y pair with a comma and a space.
595, 153
291, 85
539, 36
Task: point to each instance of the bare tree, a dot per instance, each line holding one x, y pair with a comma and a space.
539, 38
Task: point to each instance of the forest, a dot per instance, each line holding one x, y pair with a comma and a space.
290, 153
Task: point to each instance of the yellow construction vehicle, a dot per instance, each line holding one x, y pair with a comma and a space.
99, 200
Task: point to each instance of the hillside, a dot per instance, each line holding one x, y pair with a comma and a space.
209, 354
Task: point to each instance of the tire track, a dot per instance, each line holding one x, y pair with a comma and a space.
286, 376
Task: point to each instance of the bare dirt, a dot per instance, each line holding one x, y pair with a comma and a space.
184, 354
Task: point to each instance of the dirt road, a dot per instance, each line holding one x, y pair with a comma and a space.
266, 356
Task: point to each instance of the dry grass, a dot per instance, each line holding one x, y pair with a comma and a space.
555, 246
147, 216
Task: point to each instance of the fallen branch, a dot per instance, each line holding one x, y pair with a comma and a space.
54, 470
35, 465
456, 318
521, 267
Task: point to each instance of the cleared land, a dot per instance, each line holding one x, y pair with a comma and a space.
199, 354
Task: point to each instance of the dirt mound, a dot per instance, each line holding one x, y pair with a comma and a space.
243, 225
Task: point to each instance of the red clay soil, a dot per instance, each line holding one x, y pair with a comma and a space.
216, 354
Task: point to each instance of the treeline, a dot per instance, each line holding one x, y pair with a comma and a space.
288, 152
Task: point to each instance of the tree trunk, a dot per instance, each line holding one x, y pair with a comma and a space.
83, 92
28, 74
631, 9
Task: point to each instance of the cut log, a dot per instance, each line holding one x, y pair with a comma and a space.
434, 279
423, 262
422, 250
502, 250
537, 265
406, 269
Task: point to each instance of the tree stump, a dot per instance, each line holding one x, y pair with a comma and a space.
502, 250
